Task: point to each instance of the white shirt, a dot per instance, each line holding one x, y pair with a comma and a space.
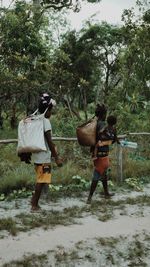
43, 156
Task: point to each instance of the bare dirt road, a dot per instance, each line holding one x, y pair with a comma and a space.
107, 233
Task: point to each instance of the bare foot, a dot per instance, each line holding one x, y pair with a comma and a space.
109, 195
35, 208
89, 200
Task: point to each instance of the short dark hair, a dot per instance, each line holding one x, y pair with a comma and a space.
111, 120
44, 103
42, 107
100, 111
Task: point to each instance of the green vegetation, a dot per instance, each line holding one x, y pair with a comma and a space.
99, 63
17, 178
103, 209
62, 256
29, 261
9, 225
101, 251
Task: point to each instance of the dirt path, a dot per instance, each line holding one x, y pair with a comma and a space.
40, 241
86, 229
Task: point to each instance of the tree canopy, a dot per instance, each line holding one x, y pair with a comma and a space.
100, 63
61, 4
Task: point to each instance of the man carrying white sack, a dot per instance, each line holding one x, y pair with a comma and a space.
42, 160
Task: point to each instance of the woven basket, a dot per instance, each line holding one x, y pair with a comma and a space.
86, 133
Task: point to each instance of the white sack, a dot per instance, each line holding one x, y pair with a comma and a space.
31, 134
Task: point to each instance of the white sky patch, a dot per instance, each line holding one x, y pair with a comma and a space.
107, 10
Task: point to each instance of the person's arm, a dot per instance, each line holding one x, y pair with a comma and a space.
117, 140
115, 137
100, 130
52, 148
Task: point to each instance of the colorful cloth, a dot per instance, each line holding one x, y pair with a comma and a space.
43, 173
101, 164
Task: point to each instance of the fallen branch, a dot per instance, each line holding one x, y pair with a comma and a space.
9, 141
70, 139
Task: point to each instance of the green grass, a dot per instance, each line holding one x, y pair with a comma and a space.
62, 256
142, 200
102, 209
110, 242
110, 251
137, 251
45, 219
25, 222
136, 168
64, 174
29, 261
15, 175
9, 225
18, 178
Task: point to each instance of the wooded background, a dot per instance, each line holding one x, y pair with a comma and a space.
101, 63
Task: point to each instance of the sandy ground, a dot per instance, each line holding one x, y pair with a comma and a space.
135, 221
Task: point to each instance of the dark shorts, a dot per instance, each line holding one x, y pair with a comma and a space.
97, 176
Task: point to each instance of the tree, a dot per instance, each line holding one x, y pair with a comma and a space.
106, 43
23, 56
130, 99
72, 72
86, 65
135, 61
60, 4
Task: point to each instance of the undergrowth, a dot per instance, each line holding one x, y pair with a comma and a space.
18, 178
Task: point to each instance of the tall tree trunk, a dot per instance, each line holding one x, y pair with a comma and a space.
1, 119
29, 108
69, 107
13, 119
85, 103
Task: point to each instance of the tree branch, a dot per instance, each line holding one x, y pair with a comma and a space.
57, 5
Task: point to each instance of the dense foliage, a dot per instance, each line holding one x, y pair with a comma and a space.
99, 63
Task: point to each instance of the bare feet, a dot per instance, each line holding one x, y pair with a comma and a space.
89, 200
109, 195
35, 208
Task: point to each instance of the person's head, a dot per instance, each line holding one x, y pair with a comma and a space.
46, 103
101, 112
111, 120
